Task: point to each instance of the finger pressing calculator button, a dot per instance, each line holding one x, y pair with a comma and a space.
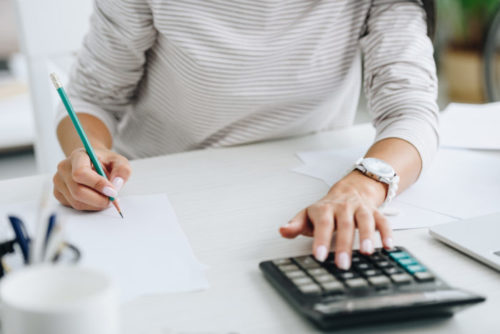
310, 289
295, 274
401, 278
356, 283
379, 281
288, 267
424, 276
302, 281
334, 286
307, 262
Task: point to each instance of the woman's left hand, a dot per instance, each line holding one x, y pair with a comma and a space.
351, 203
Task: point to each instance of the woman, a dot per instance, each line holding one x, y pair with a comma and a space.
157, 77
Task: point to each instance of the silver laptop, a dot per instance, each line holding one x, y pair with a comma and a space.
477, 237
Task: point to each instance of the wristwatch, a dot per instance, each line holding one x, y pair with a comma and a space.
381, 171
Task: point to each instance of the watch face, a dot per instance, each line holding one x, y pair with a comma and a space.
378, 167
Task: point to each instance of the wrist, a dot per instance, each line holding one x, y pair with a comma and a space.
95, 145
374, 190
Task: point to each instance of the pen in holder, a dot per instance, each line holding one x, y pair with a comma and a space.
17, 252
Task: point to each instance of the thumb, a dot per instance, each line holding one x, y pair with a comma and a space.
118, 168
294, 226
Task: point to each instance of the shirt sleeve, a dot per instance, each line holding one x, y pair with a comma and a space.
400, 75
110, 64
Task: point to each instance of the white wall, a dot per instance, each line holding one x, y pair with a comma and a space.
8, 35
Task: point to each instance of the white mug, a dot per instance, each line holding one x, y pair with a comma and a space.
48, 299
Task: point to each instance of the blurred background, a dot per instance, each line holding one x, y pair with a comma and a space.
466, 41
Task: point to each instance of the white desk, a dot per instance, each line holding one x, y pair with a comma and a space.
230, 202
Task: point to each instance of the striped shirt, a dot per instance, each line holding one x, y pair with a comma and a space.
169, 76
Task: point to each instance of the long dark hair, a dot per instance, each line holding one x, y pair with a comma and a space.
430, 10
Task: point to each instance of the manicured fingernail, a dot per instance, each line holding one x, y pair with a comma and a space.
389, 243
290, 223
343, 261
108, 191
321, 253
118, 183
367, 246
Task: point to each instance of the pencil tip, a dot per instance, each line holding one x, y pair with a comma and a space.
121, 214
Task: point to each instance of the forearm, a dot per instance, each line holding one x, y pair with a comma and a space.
96, 131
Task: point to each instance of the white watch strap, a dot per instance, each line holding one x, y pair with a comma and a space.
392, 191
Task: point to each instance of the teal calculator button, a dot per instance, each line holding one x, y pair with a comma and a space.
399, 255
407, 262
416, 268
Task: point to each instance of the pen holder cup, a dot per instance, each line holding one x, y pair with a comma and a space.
62, 299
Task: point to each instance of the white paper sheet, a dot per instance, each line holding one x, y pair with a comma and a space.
459, 184
471, 126
146, 253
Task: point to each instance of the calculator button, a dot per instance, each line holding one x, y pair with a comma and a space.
362, 266
356, 283
302, 281
281, 262
355, 259
401, 278
415, 268
288, 267
295, 274
392, 271
379, 281
399, 255
383, 264
307, 262
324, 278
377, 257
334, 286
370, 272
310, 289
407, 261
424, 276
389, 251
347, 275
317, 272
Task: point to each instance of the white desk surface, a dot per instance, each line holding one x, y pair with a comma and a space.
230, 203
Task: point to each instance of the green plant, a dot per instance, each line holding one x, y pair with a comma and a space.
465, 21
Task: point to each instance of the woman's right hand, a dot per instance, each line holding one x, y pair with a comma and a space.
78, 185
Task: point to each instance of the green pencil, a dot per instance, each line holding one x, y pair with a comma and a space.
81, 133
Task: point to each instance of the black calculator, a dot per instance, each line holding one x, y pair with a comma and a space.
388, 285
